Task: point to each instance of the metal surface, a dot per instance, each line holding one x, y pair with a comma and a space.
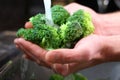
17, 68
13, 66
9, 55
7, 48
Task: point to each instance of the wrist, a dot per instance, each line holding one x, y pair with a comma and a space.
100, 49
107, 49
106, 24
111, 50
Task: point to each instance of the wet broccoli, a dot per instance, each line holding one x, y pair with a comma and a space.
84, 19
69, 33
59, 14
37, 20
74, 76
70, 30
44, 35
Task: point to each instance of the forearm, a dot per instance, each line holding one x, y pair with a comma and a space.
108, 24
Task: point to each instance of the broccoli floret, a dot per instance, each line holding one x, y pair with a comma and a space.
59, 14
70, 30
84, 18
74, 76
20, 32
44, 35
56, 77
37, 19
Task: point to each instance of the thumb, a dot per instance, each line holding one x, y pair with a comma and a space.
64, 56
28, 25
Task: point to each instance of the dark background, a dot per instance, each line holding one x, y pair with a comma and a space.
14, 13
93, 4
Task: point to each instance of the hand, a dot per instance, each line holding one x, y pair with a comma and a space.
102, 22
65, 61
29, 49
88, 52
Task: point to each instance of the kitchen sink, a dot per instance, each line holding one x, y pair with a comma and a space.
14, 67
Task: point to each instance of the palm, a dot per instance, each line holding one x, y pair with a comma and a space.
86, 49
83, 55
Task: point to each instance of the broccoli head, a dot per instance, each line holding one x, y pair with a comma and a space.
37, 20
44, 35
84, 18
75, 76
59, 14
70, 30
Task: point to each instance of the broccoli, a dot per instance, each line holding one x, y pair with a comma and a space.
56, 77
70, 29
44, 35
74, 76
37, 20
84, 19
59, 14
69, 33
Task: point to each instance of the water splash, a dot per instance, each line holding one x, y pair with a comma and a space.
24, 68
48, 13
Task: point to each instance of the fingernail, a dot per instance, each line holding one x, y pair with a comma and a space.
20, 39
52, 57
16, 40
65, 70
61, 69
17, 46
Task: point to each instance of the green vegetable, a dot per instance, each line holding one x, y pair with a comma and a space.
59, 14
56, 77
65, 32
37, 19
69, 33
75, 76
84, 19
44, 35
69, 29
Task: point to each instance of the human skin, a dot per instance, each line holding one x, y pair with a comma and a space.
105, 24
102, 46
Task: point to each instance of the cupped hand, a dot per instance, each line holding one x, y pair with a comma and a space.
86, 53
32, 52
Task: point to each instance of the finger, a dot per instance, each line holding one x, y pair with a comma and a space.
61, 69
33, 58
28, 53
73, 7
16, 46
27, 57
64, 56
28, 25
34, 49
67, 69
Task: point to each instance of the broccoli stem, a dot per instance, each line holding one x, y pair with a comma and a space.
48, 14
